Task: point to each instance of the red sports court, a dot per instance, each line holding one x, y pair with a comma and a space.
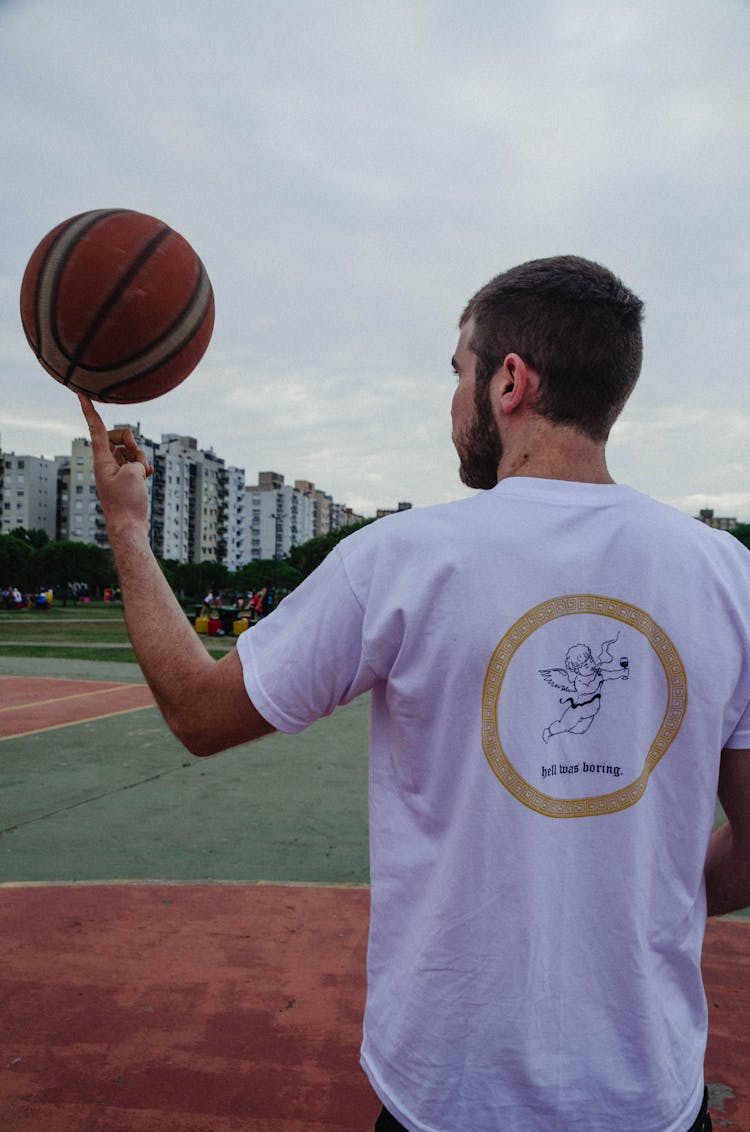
205, 1007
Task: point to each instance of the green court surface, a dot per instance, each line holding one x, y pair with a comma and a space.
119, 798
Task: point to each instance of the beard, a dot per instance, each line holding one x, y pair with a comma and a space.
479, 447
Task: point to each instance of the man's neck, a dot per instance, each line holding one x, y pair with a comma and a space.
548, 451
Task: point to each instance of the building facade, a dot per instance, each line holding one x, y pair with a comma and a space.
719, 522
277, 517
79, 516
28, 494
199, 509
234, 497
197, 504
172, 512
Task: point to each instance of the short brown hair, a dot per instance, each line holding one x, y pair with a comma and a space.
576, 324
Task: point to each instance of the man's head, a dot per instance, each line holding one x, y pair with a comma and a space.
573, 323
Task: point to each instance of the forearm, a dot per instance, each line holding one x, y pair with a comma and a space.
172, 657
727, 873
203, 701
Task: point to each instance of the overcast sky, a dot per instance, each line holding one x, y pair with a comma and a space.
350, 172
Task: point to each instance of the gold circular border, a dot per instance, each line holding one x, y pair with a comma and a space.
671, 722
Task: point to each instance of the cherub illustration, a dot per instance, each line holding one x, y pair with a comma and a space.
583, 677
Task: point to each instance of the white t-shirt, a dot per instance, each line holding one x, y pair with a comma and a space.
554, 668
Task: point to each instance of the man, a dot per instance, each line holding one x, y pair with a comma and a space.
537, 909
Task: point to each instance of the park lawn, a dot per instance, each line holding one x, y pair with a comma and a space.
83, 652
79, 632
92, 623
70, 609
69, 652
44, 628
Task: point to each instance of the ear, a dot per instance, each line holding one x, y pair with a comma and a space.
514, 384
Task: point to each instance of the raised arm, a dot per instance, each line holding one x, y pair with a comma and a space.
728, 860
203, 701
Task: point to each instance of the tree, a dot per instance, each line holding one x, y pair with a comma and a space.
742, 532
16, 557
35, 537
279, 572
200, 577
309, 555
62, 563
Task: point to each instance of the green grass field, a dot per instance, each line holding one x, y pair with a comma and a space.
86, 631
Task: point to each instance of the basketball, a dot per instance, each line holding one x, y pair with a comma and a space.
117, 305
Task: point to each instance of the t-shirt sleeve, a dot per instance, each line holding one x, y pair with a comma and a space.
307, 657
739, 740
735, 561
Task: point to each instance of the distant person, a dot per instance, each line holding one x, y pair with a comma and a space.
269, 599
258, 601
537, 908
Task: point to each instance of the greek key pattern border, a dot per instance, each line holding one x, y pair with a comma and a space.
674, 713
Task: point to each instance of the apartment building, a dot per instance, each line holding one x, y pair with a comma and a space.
277, 517
343, 516
718, 522
28, 493
172, 513
232, 485
199, 509
382, 511
79, 516
197, 504
322, 506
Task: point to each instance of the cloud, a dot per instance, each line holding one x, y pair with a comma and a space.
350, 175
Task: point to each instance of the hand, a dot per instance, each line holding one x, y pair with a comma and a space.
120, 469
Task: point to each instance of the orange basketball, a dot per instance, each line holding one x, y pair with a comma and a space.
116, 304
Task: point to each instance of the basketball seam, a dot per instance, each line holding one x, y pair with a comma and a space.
186, 340
192, 318
114, 296
165, 335
51, 285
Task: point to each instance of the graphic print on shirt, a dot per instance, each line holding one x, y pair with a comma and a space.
583, 677
591, 750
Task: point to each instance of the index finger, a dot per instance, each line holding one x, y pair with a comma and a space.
97, 427
99, 434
